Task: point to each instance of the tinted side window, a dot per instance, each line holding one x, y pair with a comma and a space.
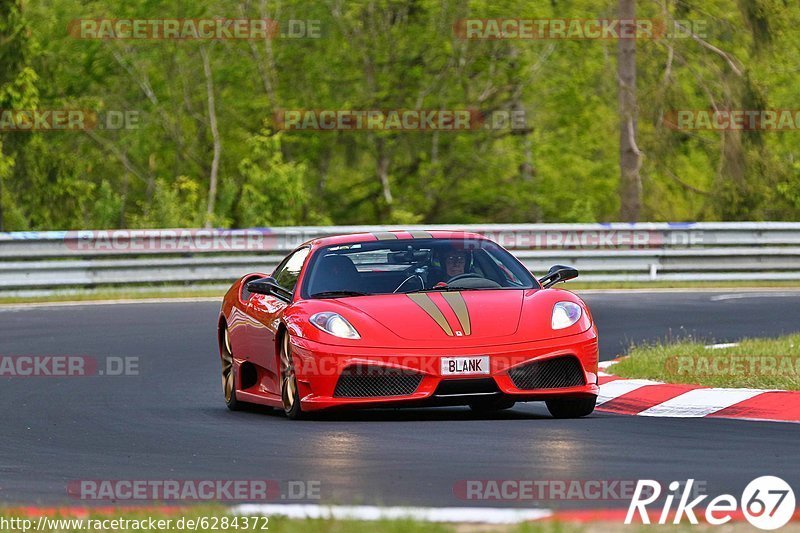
287, 273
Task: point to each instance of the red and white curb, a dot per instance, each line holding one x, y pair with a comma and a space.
642, 397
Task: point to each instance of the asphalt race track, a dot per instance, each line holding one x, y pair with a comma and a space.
170, 422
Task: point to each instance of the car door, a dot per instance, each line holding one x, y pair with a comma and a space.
267, 310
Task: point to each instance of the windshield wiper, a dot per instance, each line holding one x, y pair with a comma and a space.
337, 294
448, 289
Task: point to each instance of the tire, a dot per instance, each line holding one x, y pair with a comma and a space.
571, 407
289, 390
492, 405
228, 374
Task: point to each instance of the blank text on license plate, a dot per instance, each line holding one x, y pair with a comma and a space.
465, 365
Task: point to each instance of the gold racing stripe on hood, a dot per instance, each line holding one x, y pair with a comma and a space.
420, 234
384, 235
426, 304
456, 302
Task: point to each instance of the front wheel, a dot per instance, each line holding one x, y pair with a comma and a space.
228, 374
571, 407
289, 394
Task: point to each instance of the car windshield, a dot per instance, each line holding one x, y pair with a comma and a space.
413, 265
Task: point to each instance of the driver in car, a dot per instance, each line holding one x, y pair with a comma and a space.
451, 263
454, 263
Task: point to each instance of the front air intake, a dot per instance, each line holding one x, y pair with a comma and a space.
376, 381
554, 373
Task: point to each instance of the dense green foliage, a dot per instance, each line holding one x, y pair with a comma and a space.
391, 54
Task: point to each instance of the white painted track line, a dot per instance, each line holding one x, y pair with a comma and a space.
740, 296
476, 515
700, 402
614, 389
720, 346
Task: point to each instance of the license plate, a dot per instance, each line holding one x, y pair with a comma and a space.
465, 365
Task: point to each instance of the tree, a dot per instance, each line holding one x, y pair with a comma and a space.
204, 140
17, 88
629, 155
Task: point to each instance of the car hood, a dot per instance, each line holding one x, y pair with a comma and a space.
478, 315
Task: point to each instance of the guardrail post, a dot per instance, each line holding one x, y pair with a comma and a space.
653, 271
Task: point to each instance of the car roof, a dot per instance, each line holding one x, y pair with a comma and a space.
393, 235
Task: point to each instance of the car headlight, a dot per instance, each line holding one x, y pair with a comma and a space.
335, 324
565, 314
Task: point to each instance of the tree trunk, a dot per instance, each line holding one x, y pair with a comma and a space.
383, 173
629, 156
2, 226
212, 119
124, 200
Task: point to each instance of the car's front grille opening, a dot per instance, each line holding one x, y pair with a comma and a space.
375, 381
454, 387
554, 373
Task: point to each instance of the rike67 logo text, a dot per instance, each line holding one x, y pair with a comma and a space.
767, 502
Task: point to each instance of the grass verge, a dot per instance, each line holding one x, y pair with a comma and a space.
753, 363
94, 296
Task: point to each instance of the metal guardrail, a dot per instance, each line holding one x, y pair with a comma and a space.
602, 252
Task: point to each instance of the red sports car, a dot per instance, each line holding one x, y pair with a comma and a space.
406, 318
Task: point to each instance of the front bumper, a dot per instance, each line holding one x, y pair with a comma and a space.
319, 367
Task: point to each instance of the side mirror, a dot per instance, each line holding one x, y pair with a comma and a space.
557, 274
264, 286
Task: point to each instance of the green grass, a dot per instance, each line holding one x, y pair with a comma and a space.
754, 363
93, 296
